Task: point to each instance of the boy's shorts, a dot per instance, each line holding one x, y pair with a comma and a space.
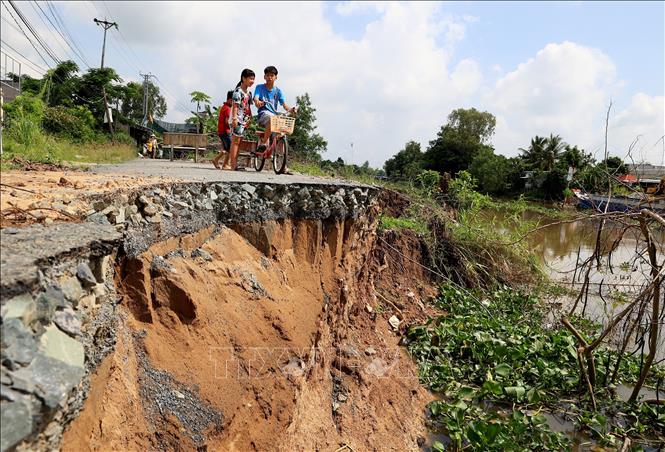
264, 118
226, 141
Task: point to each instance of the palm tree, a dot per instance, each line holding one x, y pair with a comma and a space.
199, 97
534, 154
553, 148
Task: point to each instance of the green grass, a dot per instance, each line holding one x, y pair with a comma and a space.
398, 224
50, 149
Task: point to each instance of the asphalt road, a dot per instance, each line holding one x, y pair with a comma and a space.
205, 172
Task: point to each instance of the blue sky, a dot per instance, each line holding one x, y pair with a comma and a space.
381, 74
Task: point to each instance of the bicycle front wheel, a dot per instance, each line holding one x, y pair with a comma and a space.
258, 162
280, 155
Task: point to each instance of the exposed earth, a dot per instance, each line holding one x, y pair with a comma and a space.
271, 335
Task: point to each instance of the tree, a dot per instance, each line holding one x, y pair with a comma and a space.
131, 98
200, 98
466, 133
553, 147
91, 86
406, 164
304, 141
576, 158
615, 166
492, 172
543, 153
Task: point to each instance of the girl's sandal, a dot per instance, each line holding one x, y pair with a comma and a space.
226, 168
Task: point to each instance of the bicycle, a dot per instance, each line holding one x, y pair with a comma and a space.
281, 125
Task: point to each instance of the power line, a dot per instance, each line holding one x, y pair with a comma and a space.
38, 38
57, 29
126, 42
56, 15
55, 37
26, 36
35, 66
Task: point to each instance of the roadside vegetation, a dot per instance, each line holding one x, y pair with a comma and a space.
60, 117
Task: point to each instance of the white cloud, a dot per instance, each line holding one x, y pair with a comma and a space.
566, 89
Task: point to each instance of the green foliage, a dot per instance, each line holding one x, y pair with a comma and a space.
304, 141
493, 172
467, 132
131, 97
463, 191
76, 123
492, 350
398, 224
24, 119
543, 153
53, 149
406, 164
428, 181
615, 166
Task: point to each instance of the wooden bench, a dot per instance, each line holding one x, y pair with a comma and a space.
185, 142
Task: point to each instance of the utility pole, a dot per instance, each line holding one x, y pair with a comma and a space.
105, 25
107, 112
146, 80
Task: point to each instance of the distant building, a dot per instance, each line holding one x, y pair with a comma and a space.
646, 171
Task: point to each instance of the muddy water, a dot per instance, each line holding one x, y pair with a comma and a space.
623, 271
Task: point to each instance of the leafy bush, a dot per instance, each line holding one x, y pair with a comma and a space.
24, 106
428, 180
76, 122
463, 191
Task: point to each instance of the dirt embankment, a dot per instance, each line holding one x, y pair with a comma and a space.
272, 336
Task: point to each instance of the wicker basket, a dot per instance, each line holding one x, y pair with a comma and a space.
282, 123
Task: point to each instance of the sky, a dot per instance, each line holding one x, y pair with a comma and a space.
381, 74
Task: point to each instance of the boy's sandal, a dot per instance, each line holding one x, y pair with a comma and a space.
215, 163
239, 168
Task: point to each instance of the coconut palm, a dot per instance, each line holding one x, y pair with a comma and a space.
199, 97
553, 147
534, 154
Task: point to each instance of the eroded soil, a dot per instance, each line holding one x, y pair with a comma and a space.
272, 336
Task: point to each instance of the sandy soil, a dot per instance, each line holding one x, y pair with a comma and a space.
57, 195
278, 340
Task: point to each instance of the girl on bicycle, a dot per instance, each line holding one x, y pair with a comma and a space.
241, 114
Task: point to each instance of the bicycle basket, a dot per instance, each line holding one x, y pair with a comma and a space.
282, 124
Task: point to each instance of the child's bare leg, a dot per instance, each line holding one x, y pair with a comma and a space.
227, 157
234, 151
215, 159
266, 134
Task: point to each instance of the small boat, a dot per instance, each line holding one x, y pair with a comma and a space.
632, 203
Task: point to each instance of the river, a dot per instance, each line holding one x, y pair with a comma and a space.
623, 273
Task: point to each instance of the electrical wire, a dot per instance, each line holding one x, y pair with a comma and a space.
54, 12
38, 38
27, 37
35, 66
58, 31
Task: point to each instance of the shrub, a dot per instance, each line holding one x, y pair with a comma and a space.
428, 180
76, 122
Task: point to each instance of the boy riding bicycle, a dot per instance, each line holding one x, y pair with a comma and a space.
268, 98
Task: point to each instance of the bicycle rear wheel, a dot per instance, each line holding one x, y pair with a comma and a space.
280, 155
